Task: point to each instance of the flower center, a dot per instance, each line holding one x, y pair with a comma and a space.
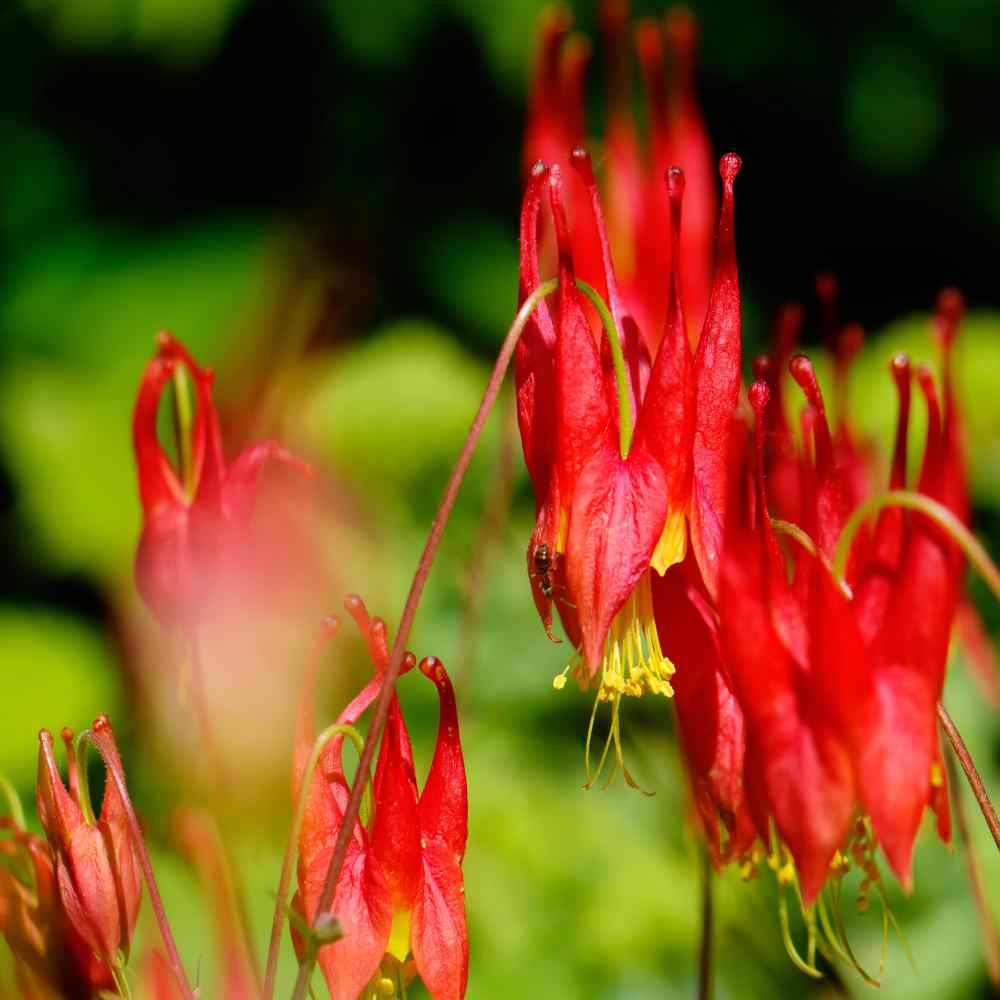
633, 665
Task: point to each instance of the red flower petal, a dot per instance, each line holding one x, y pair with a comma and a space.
444, 806
717, 384
439, 934
618, 512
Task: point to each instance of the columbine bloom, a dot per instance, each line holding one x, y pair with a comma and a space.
46, 946
96, 868
839, 680
401, 891
612, 502
638, 214
195, 522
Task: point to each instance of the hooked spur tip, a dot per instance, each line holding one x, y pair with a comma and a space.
826, 286
539, 168
44, 737
409, 662
802, 370
675, 183
762, 367
950, 304
329, 626
682, 30
355, 607
432, 668
852, 339
578, 156
729, 167
101, 724
899, 368
760, 396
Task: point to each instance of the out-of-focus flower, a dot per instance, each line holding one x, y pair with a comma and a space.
223, 544
69, 904
96, 868
638, 213
196, 522
628, 458
401, 890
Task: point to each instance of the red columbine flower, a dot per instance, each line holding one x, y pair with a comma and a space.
46, 945
612, 502
96, 870
401, 890
839, 689
638, 215
196, 521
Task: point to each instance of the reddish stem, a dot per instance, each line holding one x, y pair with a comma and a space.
971, 774
346, 830
991, 942
97, 737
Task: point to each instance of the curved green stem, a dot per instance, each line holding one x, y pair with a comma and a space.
381, 710
938, 513
291, 847
625, 425
13, 802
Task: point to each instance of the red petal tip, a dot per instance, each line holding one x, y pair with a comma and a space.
682, 31
950, 304
355, 607
675, 183
762, 367
729, 167
826, 287
760, 396
432, 668
852, 339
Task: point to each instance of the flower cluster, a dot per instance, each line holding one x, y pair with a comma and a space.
692, 542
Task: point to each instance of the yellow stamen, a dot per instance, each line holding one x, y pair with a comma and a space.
633, 665
399, 936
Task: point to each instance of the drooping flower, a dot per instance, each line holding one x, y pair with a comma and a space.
628, 457
49, 952
96, 868
196, 520
638, 219
400, 899
839, 680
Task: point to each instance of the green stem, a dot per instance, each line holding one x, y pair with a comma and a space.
625, 426
13, 802
978, 556
288, 862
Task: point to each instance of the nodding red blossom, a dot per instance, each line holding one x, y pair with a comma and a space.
612, 505
638, 216
49, 952
69, 904
96, 867
196, 521
839, 680
401, 891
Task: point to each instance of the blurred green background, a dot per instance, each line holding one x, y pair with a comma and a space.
321, 199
